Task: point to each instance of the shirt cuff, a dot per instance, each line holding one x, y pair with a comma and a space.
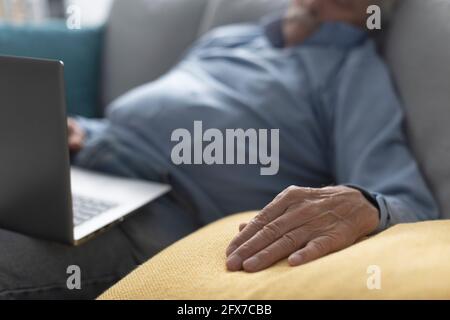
378, 201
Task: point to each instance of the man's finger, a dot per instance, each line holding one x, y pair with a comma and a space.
242, 226
75, 135
268, 214
290, 220
272, 211
314, 250
277, 251
75, 142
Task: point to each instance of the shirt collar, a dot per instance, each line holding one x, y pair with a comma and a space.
330, 33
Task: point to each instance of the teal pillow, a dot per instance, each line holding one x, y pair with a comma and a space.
80, 50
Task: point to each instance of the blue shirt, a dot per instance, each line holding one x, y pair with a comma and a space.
332, 98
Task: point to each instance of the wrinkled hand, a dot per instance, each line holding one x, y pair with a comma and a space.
303, 224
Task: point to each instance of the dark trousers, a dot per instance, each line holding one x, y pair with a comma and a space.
37, 269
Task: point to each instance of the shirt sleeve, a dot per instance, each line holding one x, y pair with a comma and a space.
92, 127
370, 150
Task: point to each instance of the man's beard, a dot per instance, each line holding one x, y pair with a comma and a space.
298, 24
297, 14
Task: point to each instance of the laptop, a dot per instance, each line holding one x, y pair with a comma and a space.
40, 194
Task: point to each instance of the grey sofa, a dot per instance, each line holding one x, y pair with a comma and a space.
145, 38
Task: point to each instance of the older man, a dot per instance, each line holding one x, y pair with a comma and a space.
315, 75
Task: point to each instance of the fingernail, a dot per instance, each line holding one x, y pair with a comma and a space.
295, 260
234, 263
231, 249
252, 264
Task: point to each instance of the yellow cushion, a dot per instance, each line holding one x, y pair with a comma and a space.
414, 261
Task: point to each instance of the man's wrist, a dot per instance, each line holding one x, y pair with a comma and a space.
369, 197
375, 215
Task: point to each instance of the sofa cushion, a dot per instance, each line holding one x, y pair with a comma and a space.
407, 262
80, 50
418, 52
145, 39
224, 12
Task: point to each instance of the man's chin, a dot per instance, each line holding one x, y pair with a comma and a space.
301, 15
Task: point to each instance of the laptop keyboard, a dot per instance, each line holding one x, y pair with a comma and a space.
85, 208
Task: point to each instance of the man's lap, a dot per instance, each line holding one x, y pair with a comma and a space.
34, 269
37, 269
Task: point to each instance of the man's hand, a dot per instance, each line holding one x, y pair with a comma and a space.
76, 136
303, 224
